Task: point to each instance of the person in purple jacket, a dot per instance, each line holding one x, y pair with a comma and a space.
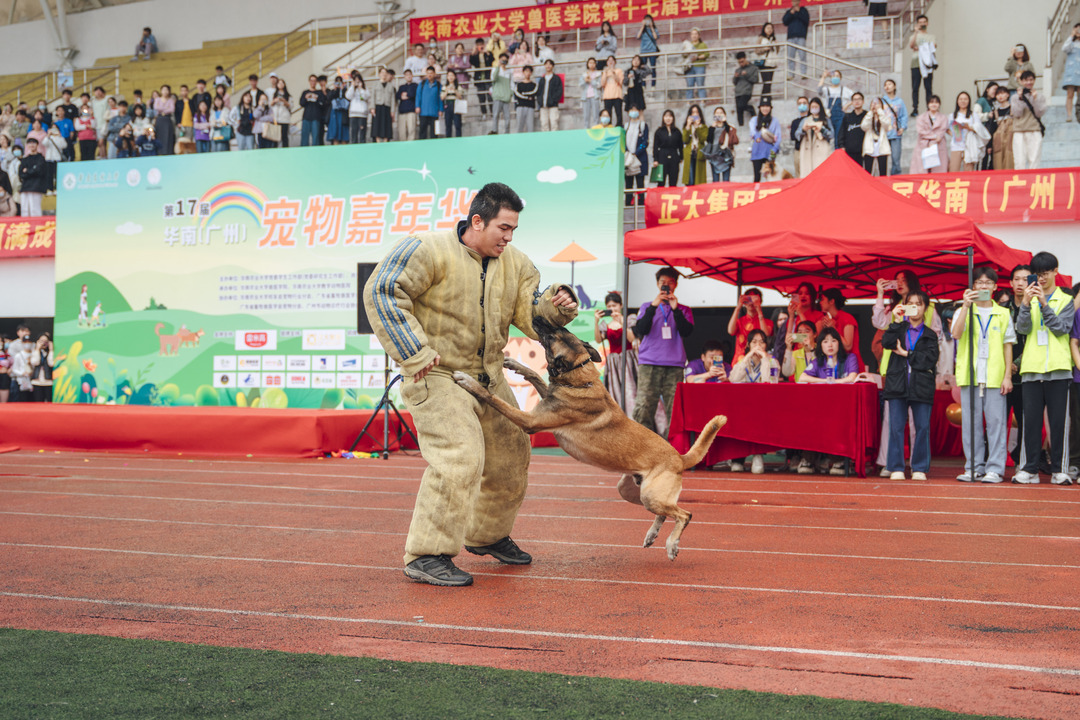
661, 326
831, 364
710, 367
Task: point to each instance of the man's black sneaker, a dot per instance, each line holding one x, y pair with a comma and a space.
505, 550
437, 570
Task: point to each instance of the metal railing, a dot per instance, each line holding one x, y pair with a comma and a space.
1056, 28
300, 39
354, 57
47, 84
892, 21
909, 15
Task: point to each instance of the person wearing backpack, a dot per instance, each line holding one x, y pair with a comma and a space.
1027, 108
242, 118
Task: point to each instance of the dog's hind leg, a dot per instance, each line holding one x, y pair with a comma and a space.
528, 374
661, 496
650, 537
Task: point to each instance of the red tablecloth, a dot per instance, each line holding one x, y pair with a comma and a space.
834, 419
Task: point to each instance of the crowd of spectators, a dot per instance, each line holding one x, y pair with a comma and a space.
26, 367
511, 83
1024, 330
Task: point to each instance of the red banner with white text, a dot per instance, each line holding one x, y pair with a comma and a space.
995, 197
27, 237
580, 15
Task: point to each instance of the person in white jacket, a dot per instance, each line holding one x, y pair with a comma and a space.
876, 125
359, 98
965, 128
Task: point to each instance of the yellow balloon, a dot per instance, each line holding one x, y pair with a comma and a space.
953, 414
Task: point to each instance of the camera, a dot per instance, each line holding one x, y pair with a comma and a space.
605, 313
665, 288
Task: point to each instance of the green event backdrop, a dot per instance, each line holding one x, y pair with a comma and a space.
231, 278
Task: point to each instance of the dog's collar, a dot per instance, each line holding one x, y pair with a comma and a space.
554, 375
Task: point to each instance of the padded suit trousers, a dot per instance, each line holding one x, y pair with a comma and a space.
477, 471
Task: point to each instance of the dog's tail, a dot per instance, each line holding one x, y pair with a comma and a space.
704, 440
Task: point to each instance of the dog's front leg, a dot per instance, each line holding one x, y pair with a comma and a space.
528, 374
540, 419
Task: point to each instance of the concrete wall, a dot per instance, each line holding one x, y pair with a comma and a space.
29, 287
975, 37
113, 31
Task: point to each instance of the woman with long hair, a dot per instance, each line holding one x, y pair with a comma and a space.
634, 81
282, 108
590, 93
815, 136
620, 370
876, 148
931, 127
766, 55
650, 44
967, 137
607, 44
164, 121
668, 149
694, 136
765, 137
1017, 63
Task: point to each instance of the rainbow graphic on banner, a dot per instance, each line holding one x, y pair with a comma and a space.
233, 195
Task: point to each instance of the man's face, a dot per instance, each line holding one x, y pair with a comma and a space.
1018, 282
497, 235
311, 81
183, 92
1048, 279
31, 148
671, 283
795, 4
123, 110
200, 87
99, 94
254, 84
743, 62
418, 51
146, 33
408, 76
857, 102
710, 356
24, 334
481, 47
923, 23
430, 75
1028, 82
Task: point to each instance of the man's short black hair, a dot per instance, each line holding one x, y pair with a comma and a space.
430, 67
31, 140
321, 78
100, 88
1018, 268
66, 91
254, 77
147, 29
922, 17
985, 272
859, 94
504, 55
200, 81
712, 345
122, 103
668, 272
418, 45
753, 291
136, 92
1027, 74
1043, 262
218, 67
85, 95
740, 55
481, 41
492, 198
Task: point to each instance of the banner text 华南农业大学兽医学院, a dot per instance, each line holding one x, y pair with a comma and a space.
1000, 196
573, 16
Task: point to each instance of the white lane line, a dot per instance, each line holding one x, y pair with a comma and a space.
588, 518
1074, 672
535, 498
624, 546
556, 578
605, 486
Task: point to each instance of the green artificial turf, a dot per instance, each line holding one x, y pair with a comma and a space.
57, 675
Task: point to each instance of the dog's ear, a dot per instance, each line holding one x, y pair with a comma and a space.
593, 353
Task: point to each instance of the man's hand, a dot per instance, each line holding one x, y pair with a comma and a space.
1033, 291
899, 349
970, 296
564, 299
1006, 385
426, 369
673, 301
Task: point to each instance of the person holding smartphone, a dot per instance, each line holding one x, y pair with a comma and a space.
747, 317
620, 369
710, 367
832, 364
1046, 317
800, 350
994, 338
662, 324
756, 367
909, 383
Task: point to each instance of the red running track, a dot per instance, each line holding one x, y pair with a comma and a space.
938, 594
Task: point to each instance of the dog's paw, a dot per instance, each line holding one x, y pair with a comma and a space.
514, 366
672, 550
650, 538
468, 382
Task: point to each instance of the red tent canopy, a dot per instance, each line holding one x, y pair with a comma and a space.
837, 228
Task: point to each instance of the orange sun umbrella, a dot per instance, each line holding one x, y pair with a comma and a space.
573, 253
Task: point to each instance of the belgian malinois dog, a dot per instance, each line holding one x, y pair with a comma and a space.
591, 427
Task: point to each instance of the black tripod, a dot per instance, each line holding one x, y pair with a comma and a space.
386, 405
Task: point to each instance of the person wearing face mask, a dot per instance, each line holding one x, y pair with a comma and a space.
604, 121
46, 116
720, 146
765, 135
694, 136
637, 142
668, 149
931, 127
838, 100
803, 107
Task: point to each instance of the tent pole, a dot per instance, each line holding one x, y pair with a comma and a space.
626, 327
971, 361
